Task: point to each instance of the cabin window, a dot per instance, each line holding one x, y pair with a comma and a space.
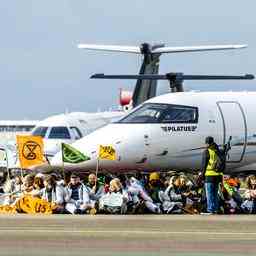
40, 131
59, 132
162, 113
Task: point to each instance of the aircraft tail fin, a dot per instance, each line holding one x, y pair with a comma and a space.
147, 88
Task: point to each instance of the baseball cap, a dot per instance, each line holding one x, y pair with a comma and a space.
209, 140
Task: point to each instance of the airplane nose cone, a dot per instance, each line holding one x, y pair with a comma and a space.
51, 147
88, 146
57, 159
127, 144
75, 163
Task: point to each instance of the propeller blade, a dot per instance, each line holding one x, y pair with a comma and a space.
217, 77
174, 76
135, 77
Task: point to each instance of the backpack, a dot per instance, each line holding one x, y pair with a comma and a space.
220, 164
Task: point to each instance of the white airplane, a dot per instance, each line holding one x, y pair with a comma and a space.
10, 128
55, 129
70, 127
167, 132
8, 131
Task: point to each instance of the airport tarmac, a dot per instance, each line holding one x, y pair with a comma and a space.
180, 235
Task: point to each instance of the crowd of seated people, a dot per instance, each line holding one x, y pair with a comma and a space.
154, 192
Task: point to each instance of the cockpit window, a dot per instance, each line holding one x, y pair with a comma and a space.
179, 114
59, 132
162, 113
40, 131
77, 133
148, 113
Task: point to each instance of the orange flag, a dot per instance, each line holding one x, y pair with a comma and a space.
31, 150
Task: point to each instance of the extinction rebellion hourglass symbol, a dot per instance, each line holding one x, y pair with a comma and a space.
30, 150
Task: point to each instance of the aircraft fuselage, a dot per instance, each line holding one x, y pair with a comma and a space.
168, 132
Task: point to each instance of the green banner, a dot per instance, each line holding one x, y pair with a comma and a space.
72, 155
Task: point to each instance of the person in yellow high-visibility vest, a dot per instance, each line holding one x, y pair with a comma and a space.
212, 176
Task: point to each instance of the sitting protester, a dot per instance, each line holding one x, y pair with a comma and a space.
107, 183
175, 196
200, 191
22, 189
94, 190
17, 185
249, 205
37, 186
193, 199
28, 182
13, 189
115, 201
53, 194
231, 199
153, 188
77, 196
139, 199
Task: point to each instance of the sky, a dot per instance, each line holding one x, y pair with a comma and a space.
44, 73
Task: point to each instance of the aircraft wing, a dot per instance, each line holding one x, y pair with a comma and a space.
111, 48
197, 48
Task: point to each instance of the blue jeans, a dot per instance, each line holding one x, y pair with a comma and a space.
212, 197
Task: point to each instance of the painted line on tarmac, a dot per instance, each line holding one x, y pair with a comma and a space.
149, 232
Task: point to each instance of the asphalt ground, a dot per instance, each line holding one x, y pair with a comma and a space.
127, 235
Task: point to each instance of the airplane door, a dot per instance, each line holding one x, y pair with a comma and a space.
234, 124
156, 144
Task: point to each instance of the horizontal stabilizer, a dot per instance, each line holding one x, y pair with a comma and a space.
174, 76
110, 48
197, 48
158, 49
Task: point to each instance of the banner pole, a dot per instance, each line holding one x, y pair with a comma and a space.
21, 173
97, 167
7, 168
7, 165
62, 166
63, 170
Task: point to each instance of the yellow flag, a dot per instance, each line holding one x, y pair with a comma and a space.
32, 205
30, 150
107, 152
